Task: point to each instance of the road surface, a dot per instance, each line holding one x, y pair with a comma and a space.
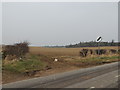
103, 76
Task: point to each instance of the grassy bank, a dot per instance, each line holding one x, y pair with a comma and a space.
99, 59
35, 62
29, 64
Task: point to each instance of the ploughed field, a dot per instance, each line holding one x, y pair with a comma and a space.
42, 61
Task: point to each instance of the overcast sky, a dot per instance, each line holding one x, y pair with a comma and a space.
59, 23
0, 23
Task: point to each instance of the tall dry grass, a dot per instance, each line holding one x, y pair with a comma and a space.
62, 51
0, 48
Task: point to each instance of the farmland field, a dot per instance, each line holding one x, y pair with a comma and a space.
40, 62
0, 48
62, 51
71, 55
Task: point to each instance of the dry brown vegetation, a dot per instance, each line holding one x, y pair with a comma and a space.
62, 51
0, 48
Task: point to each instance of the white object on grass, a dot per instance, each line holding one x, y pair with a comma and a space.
56, 60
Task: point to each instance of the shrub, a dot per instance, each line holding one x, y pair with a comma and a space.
18, 50
83, 52
100, 51
91, 51
118, 51
113, 51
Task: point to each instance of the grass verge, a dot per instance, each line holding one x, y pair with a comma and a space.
99, 60
25, 65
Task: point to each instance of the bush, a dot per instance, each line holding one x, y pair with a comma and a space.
91, 51
118, 51
100, 51
18, 50
83, 52
113, 51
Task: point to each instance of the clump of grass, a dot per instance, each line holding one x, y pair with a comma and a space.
97, 60
25, 65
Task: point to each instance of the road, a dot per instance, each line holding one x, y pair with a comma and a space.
103, 76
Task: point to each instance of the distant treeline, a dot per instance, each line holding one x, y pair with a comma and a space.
54, 46
92, 44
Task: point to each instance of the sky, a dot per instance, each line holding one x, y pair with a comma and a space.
58, 23
0, 23
60, 0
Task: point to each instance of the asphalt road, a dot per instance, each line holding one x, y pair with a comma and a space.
103, 76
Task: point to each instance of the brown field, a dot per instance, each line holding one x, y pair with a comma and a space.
0, 48
62, 51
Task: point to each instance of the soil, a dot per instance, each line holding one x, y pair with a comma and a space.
8, 77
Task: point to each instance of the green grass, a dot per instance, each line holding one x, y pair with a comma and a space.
30, 64
98, 60
36, 62
104, 58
